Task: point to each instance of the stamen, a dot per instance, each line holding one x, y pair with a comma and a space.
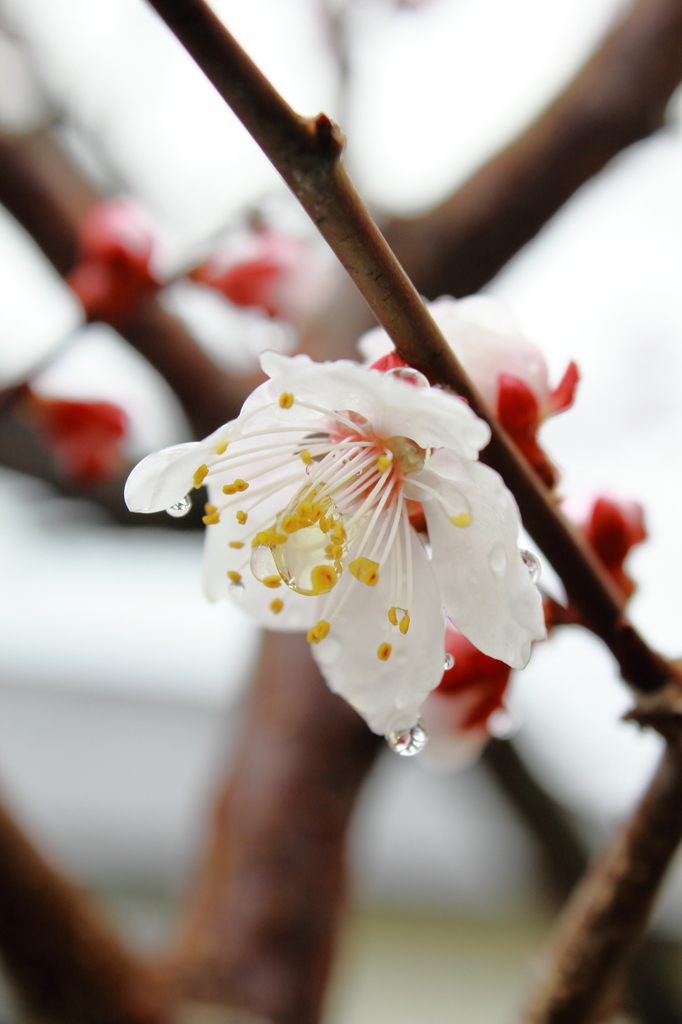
211, 519
355, 427
365, 570
305, 455
234, 576
273, 582
238, 485
276, 606
236, 543
200, 475
286, 400
408, 558
242, 517
222, 447
323, 578
384, 461
463, 519
384, 652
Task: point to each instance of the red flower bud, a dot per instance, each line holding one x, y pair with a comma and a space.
84, 436
613, 528
476, 681
113, 272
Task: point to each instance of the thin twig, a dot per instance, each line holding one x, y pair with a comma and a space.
260, 931
307, 155
619, 97
607, 914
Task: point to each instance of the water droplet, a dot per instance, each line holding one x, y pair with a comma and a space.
180, 508
532, 564
410, 741
410, 375
497, 558
449, 661
236, 589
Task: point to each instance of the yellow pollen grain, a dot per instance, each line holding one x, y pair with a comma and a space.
290, 524
384, 652
236, 543
270, 537
208, 509
286, 400
304, 510
365, 570
276, 606
463, 519
234, 576
337, 552
200, 476
383, 463
324, 525
318, 632
404, 624
241, 517
211, 519
338, 534
306, 456
273, 582
329, 551
222, 447
393, 616
323, 578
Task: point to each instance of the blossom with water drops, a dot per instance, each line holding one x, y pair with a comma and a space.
320, 498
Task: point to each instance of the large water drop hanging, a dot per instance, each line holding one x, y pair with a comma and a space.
409, 742
180, 508
449, 661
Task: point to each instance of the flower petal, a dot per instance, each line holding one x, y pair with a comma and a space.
487, 590
430, 416
388, 694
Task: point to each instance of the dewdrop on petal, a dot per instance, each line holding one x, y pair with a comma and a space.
313, 491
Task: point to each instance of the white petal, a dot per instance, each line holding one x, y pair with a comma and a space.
431, 417
255, 599
388, 694
487, 590
163, 478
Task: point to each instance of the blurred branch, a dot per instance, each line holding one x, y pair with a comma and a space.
619, 97
260, 930
209, 395
307, 155
607, 914
66, 966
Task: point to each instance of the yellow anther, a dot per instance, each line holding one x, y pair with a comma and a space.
337, 552
270, 537
383, 463
242, 517
241, 485
234, 576
238, 485
318, 632
323, 578
393, 616
306, 457
305, 510
329, 551
211, 519
316, 512
338, 534
384, 652
229, 489
463, 519
199, 476
272, 582
365, 570
324, 525
290, 524
286, 400
276, 606
222, 447
236, 543
404, 624
208, 509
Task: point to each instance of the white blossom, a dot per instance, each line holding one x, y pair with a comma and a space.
313, 493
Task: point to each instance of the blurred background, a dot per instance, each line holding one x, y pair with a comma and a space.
121, 688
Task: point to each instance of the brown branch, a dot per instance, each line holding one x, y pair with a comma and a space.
209, 395
607, 914
66, 965
260, 932
307, 155
619, 97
